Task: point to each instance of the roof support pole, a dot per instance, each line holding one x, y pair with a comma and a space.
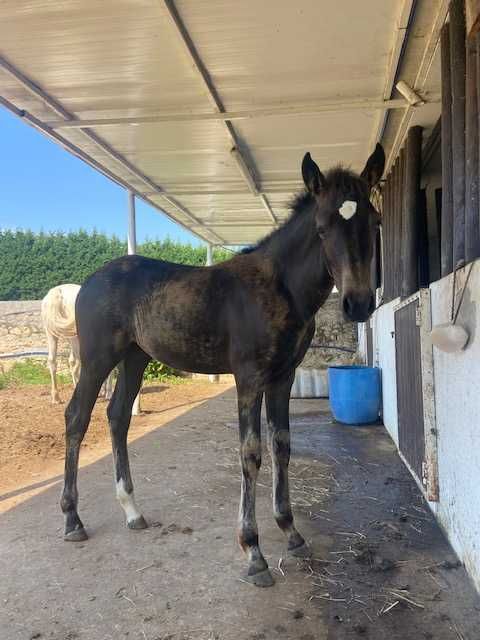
209, 261
213, 377
132, 249
132, 228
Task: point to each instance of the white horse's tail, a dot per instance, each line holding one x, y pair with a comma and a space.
58, 310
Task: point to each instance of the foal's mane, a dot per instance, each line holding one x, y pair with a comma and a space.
338, 179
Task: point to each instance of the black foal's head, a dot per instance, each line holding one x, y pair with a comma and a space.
347, 224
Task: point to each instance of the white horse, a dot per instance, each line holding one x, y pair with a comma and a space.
58, 316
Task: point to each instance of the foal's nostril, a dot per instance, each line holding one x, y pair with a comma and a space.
358, 307
347, 305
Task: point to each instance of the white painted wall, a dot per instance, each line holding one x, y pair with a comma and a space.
383, 324
457, 405
362, 340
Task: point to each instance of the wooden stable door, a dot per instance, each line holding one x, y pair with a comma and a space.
411, 432
417, 438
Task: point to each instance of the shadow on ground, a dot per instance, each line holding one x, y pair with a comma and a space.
381, 568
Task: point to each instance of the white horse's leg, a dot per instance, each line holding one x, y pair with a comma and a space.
52, 365
109, 384
136, 409
74, 360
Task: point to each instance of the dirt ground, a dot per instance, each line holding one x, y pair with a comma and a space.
32, 441
381, 568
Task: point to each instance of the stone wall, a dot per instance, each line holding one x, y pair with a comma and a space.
21, 330
21, 327
335, 340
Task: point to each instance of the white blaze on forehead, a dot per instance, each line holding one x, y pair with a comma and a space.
348, 209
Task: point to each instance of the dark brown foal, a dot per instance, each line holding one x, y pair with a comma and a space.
252, 316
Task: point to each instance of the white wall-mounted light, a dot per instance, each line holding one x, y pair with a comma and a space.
409, 94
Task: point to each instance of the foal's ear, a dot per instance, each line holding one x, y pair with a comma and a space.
374, 168
312, 176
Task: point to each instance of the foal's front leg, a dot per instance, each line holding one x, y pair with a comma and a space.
277, 400
249, 407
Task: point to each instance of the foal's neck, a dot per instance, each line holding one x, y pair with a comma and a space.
299, 256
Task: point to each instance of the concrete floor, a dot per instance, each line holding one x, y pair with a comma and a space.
381, 567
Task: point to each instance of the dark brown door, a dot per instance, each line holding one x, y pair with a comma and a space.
411, 434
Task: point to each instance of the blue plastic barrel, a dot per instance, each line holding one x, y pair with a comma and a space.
355, 393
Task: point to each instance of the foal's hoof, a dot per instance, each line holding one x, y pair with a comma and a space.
77, 535
302, 551
261, 579
138, 523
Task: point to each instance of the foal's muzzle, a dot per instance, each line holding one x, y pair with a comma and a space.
358, 307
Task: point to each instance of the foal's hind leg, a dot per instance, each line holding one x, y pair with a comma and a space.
77, 418
277, 399
119, 414
249, 407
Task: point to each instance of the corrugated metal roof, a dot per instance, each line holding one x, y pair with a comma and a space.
182, 65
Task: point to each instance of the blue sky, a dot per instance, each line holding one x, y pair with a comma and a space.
45, 188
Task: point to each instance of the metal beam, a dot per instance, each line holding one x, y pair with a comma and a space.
181, 189
329, 106
85, 157
244, 170
224, 192
60, 110
212, 93
393, 63
53, 104
267, 206
238, 225
420, 79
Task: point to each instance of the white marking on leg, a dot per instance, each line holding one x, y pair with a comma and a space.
128, 502
348, 209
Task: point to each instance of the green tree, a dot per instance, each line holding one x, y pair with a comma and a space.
32, 263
